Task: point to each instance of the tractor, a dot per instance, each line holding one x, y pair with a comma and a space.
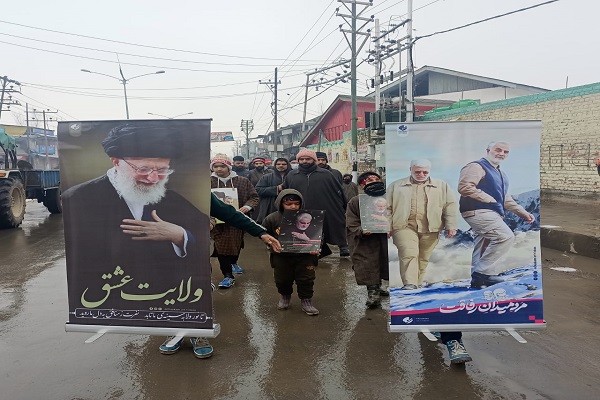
19, 181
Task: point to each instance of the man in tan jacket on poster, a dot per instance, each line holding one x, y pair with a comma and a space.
421, 208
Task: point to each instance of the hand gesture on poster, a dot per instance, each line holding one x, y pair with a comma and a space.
158, 230
300, 235
529, 218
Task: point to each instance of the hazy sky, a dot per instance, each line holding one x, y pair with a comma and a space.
225, 47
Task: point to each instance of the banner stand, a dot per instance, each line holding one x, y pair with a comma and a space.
427, 331
100, 330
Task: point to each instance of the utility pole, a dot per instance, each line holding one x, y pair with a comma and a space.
44, 112
247, 126
382, 52
351, 20
5, 81
377, 68
410, 105
273, 87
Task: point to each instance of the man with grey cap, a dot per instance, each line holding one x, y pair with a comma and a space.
128, 218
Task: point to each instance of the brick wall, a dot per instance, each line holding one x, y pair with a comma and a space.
570, 133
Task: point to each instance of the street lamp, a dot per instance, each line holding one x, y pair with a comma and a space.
164, 116
123, 82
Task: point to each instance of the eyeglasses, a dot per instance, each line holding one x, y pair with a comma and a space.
421, 172
148, 171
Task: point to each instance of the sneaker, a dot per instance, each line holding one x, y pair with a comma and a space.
202, 349
227, 282
284, 302
438, 335
344, 251
457, 352
237, 269
307, 307
373, 296
166, 349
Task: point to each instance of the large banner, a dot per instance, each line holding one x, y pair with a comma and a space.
465, 243
221, 137
135, 207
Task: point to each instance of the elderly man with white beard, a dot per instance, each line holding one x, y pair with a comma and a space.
128, 218
422, 206
483, 203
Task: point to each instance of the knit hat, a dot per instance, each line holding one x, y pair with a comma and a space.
261, 159
220, 158
306, 153
238, 158
320, 154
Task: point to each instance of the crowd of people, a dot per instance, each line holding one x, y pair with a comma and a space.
419, 207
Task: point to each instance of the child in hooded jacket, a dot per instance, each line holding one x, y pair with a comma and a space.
291, 267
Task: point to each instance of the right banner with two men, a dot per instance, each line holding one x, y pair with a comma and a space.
464, 250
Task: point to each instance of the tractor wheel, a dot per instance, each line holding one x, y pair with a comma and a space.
12, 203
52, 201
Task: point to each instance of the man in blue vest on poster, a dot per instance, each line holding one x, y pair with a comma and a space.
484, 200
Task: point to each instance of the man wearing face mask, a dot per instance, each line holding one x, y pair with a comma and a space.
293, 162
321, 191
484, 200
259, 170
350, 188
369, 251
421, 207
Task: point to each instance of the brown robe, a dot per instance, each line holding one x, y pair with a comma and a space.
229, 240
369, 253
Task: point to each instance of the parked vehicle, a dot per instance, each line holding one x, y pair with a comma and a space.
19, 181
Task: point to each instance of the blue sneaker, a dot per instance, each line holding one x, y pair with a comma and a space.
457, 352
237, 269
227, 282
437, 335
165, 349
202, 349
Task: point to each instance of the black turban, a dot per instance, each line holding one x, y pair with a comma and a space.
144, 141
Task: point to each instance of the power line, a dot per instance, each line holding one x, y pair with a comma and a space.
146, 46
38, 85
102, 95
138, 65
139, 55
484, 20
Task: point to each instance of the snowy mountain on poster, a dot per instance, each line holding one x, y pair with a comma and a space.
521, 283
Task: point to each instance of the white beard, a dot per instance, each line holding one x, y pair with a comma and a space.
494, 160
419, 180
135, 194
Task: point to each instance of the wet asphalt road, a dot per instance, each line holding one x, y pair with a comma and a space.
261, 353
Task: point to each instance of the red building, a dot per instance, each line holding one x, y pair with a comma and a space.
337, 119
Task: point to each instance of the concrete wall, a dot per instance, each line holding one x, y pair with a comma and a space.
570, 133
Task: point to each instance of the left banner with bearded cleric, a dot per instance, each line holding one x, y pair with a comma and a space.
136, 220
